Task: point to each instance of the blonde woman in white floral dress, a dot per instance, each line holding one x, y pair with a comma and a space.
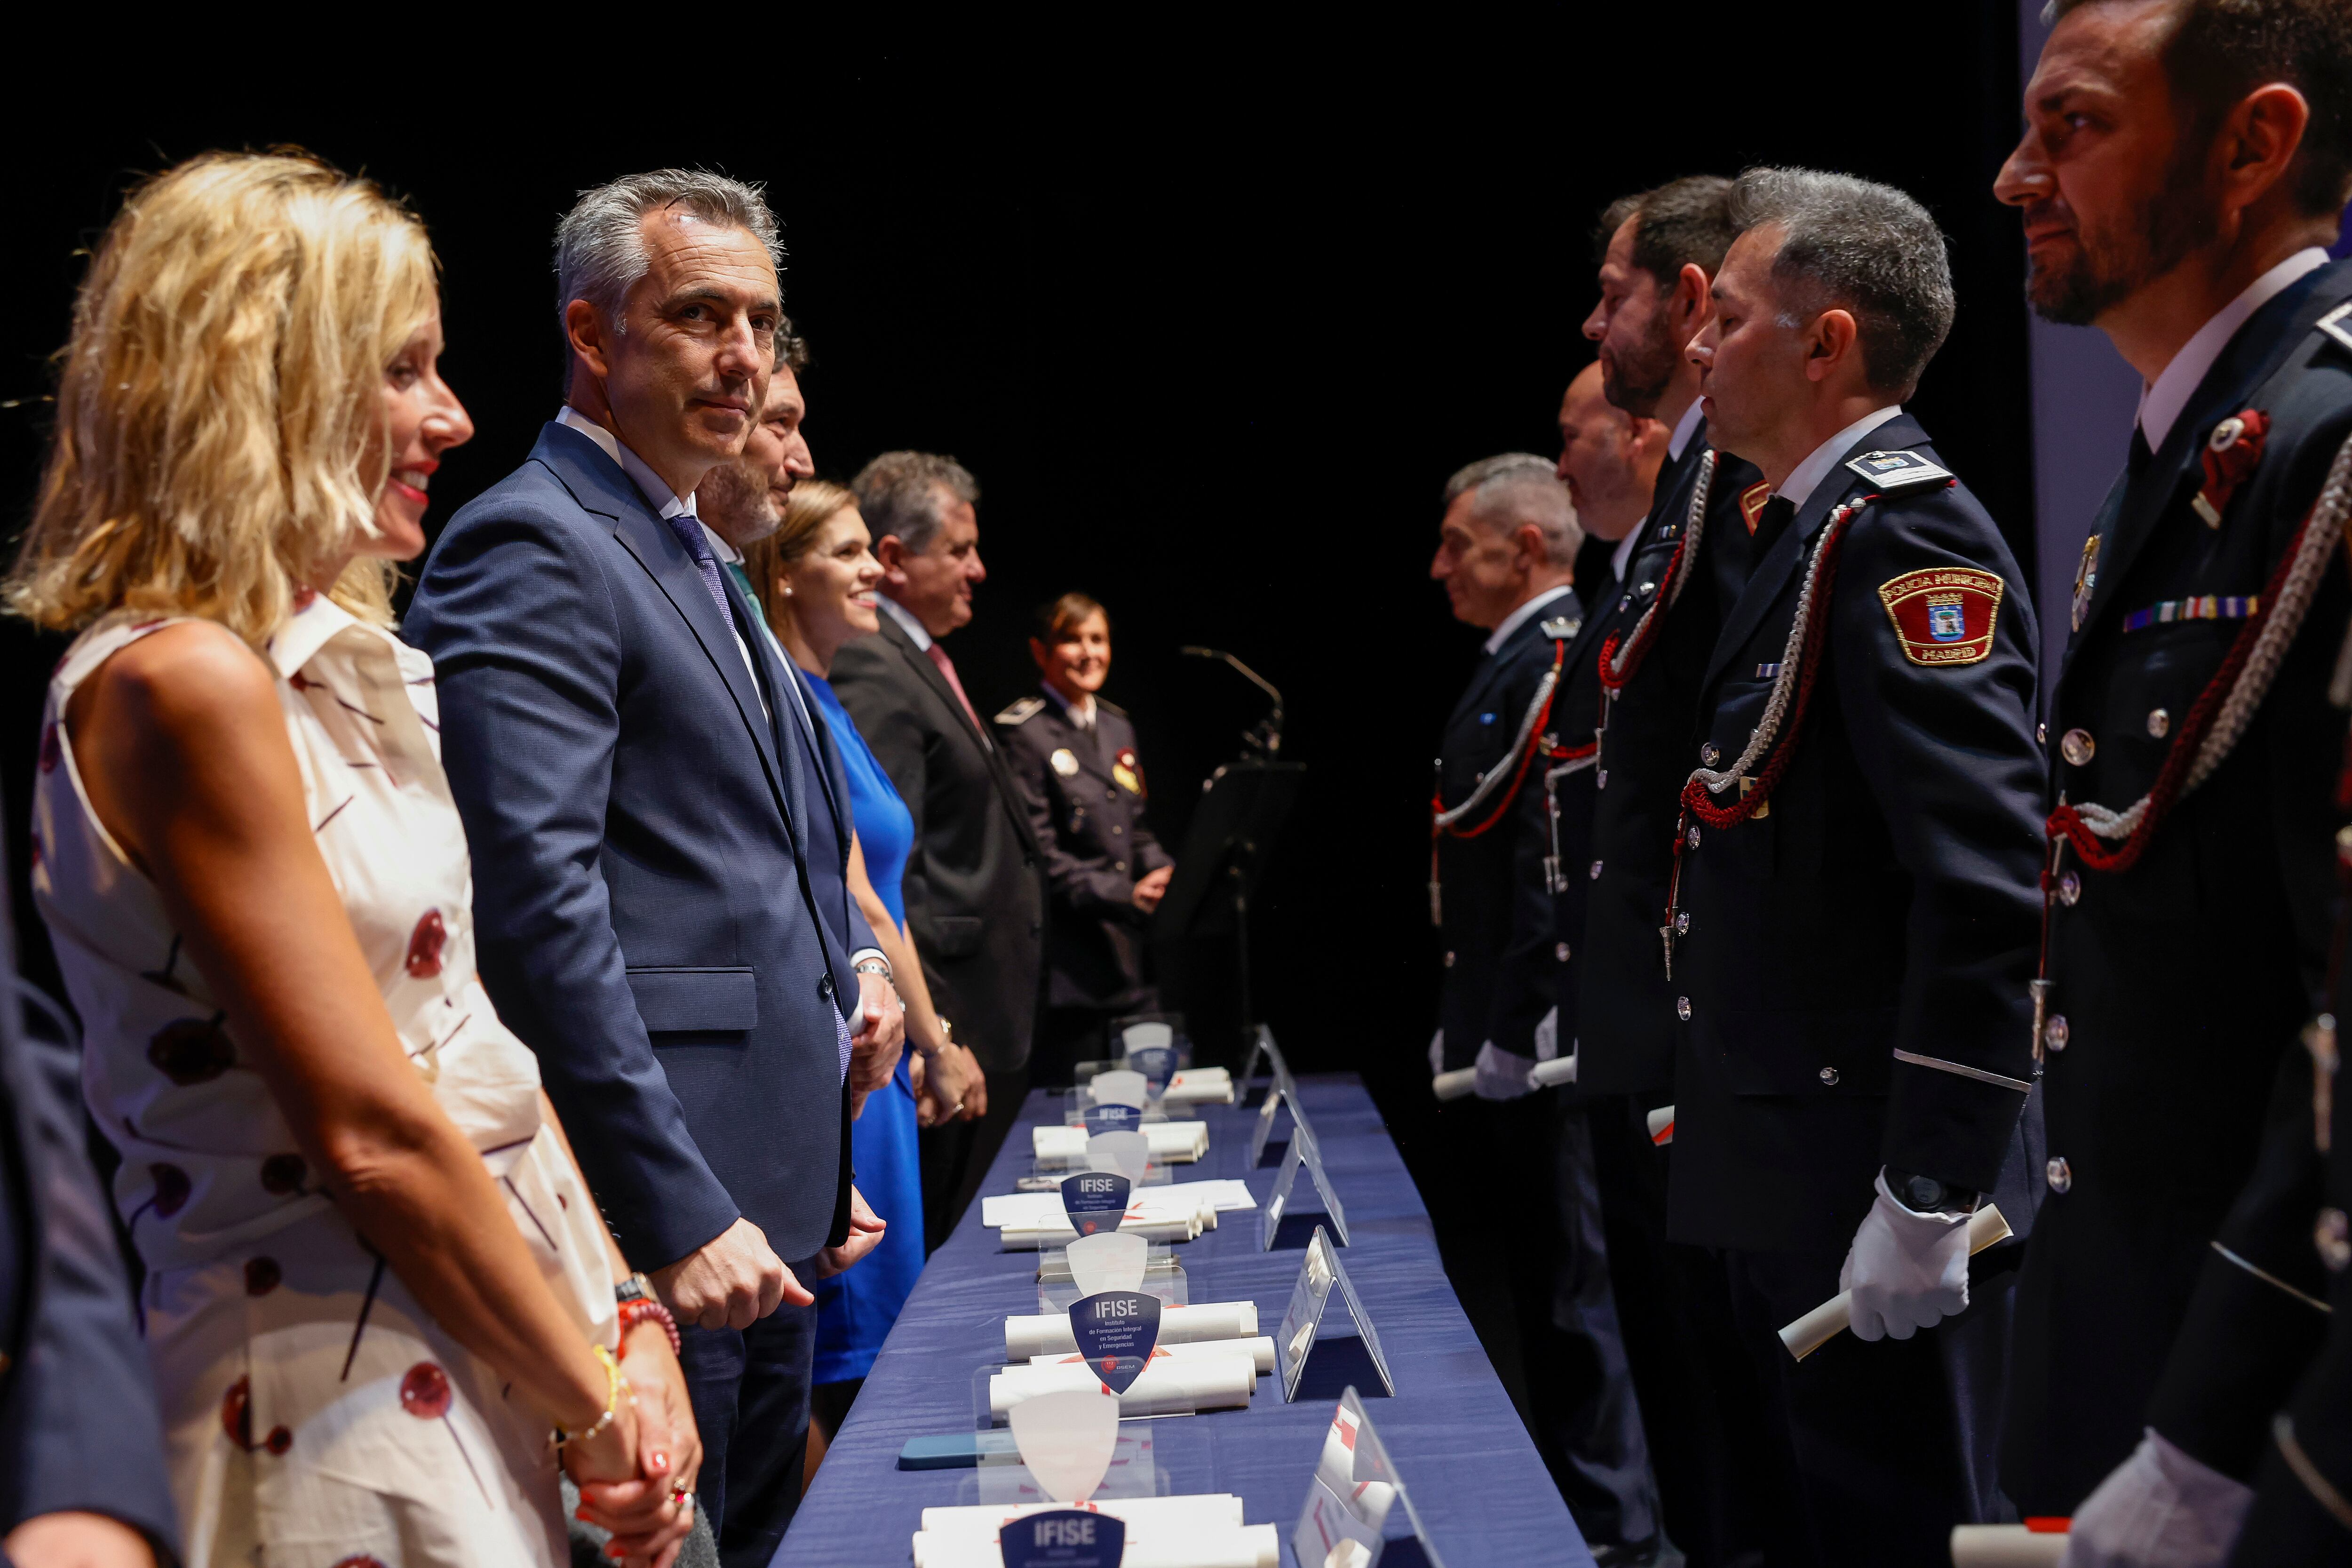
377, 1287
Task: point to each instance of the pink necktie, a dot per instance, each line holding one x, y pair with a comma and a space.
947, 668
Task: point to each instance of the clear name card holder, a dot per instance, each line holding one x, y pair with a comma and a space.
1303, 1319
1358, 1512
1302, 1155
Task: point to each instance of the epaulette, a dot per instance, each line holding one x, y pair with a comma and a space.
1893, 471
1021, 712
1561, 627
2338, 324
1111, 708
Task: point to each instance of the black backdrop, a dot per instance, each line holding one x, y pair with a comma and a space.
1211, 312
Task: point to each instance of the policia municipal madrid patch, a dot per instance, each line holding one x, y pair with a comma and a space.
1944, 615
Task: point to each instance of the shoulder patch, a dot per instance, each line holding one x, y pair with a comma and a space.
1021, 712
1561, 627
1944, 615
1111, 708
1898, 470
2338, 324
1751, 502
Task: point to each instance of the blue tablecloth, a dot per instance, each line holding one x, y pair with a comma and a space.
1482, 1493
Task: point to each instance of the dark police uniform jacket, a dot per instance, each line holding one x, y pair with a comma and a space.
1494, 909
1084, 791
1618, 815
2178, 983
1852, 985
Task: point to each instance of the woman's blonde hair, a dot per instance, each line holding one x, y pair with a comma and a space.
220, 421
812, 505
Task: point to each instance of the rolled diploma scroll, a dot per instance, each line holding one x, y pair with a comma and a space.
1454, 1085
1048, 1333
1159, 1227
1167, 1387
1660, 1123
1141, 1515
1200, 1085
1250, 1546
1259, 1348
1171, 1143
1835, 1316
1558, 1071
2006, 1546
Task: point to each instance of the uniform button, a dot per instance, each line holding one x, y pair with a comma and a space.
1682, 923
2070, 888
1560, 953
1709, 755
1449, 960
1119, 865
1682, 1009
2042, 734
1596, 870
1829, 1077
1110, 794
2053, 1033
1643, 591
2333, 1237
2158, 721
1116, 829
2061, 1175
1691, 838
2076, 746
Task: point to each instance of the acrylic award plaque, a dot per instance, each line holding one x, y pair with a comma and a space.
1156, 1063
1066, 1441
1310, 1302
1111, 1118
1121, 1087
1062, 1538
1129, 1154
1144, 1036
1095, 1200
1116, 1331
1111, 1261
1345, 1522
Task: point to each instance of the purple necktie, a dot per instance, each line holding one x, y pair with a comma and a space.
688, 529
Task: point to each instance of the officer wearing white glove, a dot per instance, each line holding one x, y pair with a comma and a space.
1908, 1269
1503, 1075
2159, 1508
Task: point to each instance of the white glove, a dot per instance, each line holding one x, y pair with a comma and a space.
1548, 1036
1437, 1052
1906, 1270
2159, 1508
1503, 1075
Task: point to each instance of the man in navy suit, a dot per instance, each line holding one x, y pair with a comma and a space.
649, 868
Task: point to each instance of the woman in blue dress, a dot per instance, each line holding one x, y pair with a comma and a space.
815, 578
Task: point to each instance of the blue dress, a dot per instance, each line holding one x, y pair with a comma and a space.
856, 1309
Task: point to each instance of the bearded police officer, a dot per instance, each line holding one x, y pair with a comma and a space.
1851, 927
1628, 706
1073, 760
1506, 552
2181, 173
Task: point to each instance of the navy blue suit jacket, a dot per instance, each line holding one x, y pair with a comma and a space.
644, 896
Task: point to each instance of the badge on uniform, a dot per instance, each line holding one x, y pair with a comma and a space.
1944, 615
1127, 771
2230, 455
1066, 761
1560, 629
1893, 471
1751, 504
2086, 581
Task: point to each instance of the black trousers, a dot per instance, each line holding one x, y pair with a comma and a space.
1887, 1446
750, 1388
1587, 1426
1702, 1408
955, 1156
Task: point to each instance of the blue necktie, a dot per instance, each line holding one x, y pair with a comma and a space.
688, 529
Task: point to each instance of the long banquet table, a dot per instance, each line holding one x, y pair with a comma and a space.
1482, 1493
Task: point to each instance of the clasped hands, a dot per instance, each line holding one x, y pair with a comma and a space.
636, 1477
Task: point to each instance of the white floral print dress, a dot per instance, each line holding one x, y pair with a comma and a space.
315, 1416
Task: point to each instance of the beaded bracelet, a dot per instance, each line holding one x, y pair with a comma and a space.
614, 1384
648, 1311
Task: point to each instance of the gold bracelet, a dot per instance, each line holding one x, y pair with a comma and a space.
614, 1384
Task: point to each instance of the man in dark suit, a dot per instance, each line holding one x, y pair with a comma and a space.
2192, 869
648, 887
1072, 756
1629, 702
1853, 919
82, 1483
1507, 546
974, 886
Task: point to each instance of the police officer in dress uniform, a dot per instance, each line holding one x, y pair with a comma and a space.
2180, 174
1850, 926
1625, 716
1073, 760
1506, 552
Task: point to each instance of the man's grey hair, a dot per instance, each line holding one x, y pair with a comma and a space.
1519, 487
1855, 245
600, 245
907, 494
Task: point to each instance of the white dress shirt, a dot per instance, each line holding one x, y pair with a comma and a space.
1081, 713
1677, 444
1519, 616
2162, 400
906, 619
1807, 476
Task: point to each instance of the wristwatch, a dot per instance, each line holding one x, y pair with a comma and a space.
877, 964
636, 1287
1926, 1195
